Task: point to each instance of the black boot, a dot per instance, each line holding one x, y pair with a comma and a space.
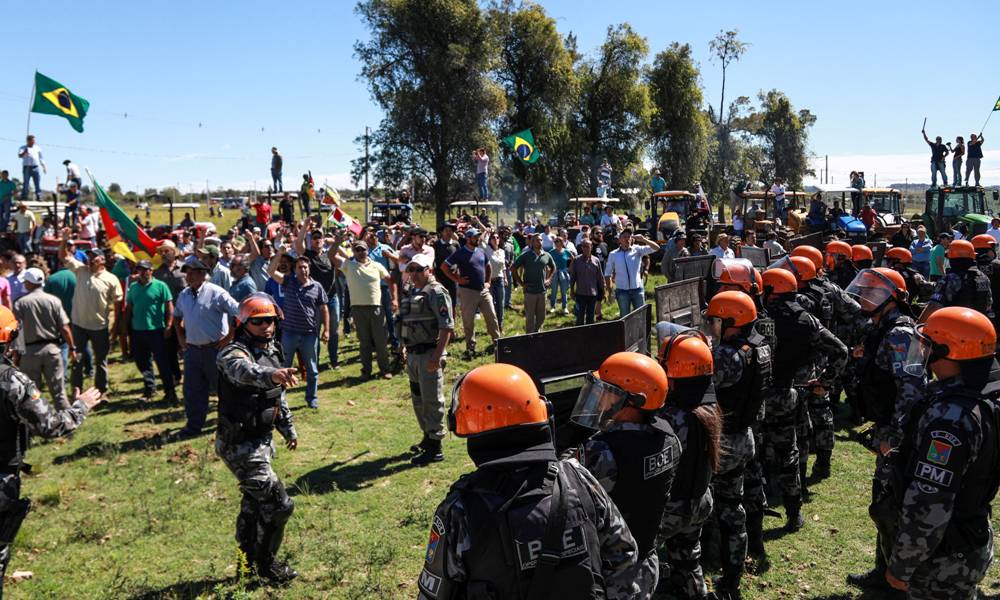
727, 587
755, 543
793, 513
417, 448
803, 470
712, 544
821, 468
246, 538
268, 566
430, 454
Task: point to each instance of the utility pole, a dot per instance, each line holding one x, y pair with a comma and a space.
827, 169
367, 199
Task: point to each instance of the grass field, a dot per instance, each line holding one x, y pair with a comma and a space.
124, 510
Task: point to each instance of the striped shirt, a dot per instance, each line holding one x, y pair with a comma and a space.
302, 305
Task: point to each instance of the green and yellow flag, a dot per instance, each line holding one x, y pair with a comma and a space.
52, 98
523, 145
996, 106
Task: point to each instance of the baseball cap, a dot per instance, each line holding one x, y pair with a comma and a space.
359, 244
166, 244
423, 260
195, 264
471, 232
419, 231
33, 275
212, 249
144, 264
93, 252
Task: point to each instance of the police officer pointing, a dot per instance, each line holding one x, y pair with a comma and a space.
251, 404
424, 326
635, 453
947, 463
23, 413
523, 524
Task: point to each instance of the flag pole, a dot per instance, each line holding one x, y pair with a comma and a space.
31, 103
987, 121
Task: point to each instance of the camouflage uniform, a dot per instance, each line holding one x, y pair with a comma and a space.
977, 295
246, 370
947, 464
23, 413
446, 572
680, 530
600, 461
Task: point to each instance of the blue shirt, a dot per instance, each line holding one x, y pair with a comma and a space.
471, 264
658, 184
377, 255
273, 289
561, 258
921, 251
301, 304
205, 313
243, 288
16, 288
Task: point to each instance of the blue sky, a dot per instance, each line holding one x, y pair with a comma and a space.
871, 71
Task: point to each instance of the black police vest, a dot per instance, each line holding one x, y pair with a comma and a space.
878, 387
973, 294
765, 328
794, 329
646, 462
252, 408
844, 274
694, 473
13, 433
505, 546
823, 308
969, 525
741, 402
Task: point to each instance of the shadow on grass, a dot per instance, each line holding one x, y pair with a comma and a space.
343, 475
868, 594
181, 589
149, 442
174, 414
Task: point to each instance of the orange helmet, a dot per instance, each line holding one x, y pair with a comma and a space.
984, 241
893, 276
734, 308
961, 249
256, 305
494, 397
8, 325
686, 355
804, 268
861, 252
780, 281
900, 255
958, 333
637, 374
737, 272
759, 281
834, 249
872, 288
811, 253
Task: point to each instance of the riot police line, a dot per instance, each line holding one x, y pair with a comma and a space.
599, 468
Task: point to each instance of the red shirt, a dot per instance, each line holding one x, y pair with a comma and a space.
263, 213
868, 216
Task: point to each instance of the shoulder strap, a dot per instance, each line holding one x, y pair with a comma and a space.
552, 540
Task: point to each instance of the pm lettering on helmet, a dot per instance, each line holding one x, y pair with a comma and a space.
935, 475
660, 462
574, 543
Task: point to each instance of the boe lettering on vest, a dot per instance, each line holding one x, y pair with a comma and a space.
574, 544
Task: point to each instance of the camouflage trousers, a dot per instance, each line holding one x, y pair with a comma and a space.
803, 426
884, 512
647, 575
952, 576
679, 547
265, 506
754, 483
427, 394
728, 490
10, 505
781, 443
821, 417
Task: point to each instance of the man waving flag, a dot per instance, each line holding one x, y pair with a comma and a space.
53, 98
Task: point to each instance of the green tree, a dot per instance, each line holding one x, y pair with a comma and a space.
427, 65
613, 111
535, 71
114, 188
783, 135
680, 129
726, 48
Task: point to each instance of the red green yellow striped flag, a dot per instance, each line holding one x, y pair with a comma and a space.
126, 226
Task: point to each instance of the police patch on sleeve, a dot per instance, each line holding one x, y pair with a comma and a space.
429, 583
437, 530
935, 475
939, 452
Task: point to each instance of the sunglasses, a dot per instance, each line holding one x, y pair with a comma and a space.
415, 269
258, 321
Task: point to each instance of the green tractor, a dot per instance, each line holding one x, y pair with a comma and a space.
948, 206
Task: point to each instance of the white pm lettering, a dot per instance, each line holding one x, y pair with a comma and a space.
935, 475
430, 583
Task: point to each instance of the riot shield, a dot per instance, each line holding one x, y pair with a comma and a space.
558, 360
693, 267
757, 256
813, 239
679, 302
878, 252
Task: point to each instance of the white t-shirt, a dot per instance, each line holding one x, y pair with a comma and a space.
89, 225
482, 164
607, 219
33, 156
779, 192
497, 260
72, 171
719, 252
995, 233
547, 243
23, 221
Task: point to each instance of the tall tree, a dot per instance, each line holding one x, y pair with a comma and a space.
783, 135
680, 129
427, 65
613, 112
535, 70
726, 48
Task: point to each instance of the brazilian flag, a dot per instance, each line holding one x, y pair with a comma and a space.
523, 145
996, 106
52, 98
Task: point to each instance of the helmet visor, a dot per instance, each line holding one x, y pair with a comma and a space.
871, 289
919, 353
737, 270
711, 327
785, 262
597, 403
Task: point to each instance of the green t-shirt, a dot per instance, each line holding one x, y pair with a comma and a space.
121, 270
938, 252
62, 284
535, 266
7, 190
148, 304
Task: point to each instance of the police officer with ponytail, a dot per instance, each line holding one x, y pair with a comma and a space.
888, 393
742, 377
252, 404
963, 285
635, 453
523, 525
694, 416
947, 463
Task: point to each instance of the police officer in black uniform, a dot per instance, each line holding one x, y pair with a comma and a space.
24, 413
251, 405
963, 285
838, 263
635, 453
987, 262
523, 524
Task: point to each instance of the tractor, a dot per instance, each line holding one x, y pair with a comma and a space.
944, 207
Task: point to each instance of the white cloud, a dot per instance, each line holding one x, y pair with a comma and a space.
897, 168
